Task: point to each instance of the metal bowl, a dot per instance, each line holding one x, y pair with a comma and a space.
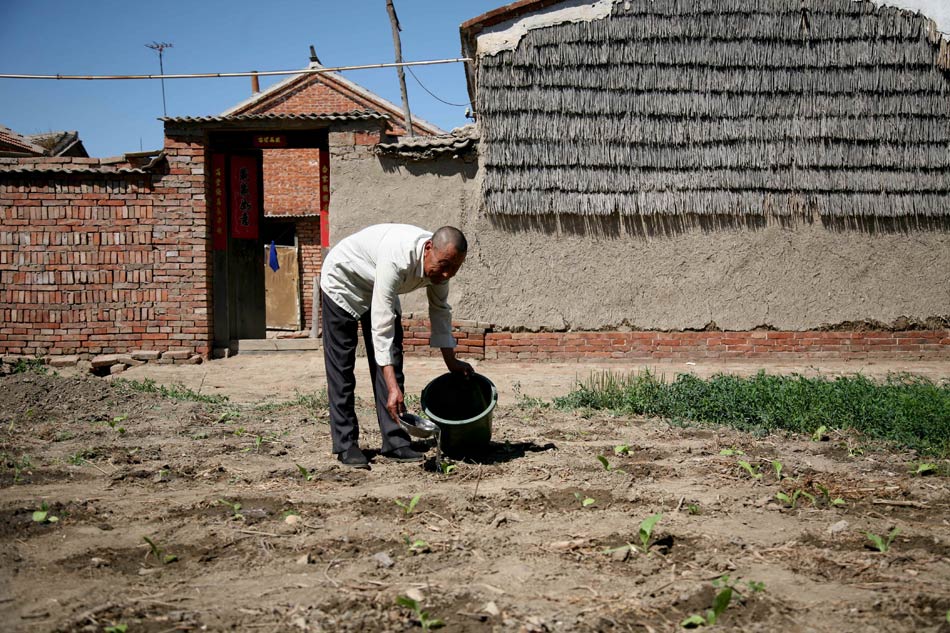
418, 427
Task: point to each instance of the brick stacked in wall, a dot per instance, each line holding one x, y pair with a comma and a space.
291, 182
719, 345
469, 334
311, 260
99, 261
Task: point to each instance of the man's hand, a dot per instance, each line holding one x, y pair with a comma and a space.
455, 365
395, 403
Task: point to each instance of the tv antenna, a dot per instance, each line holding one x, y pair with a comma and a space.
160, 48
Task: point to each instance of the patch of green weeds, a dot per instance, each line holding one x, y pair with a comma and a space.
43, 515
18, 464
116, 628
174, 392
925, 468
791, 501
881, 543
30, 365
411, 505
425, 620
159, 553
905, 409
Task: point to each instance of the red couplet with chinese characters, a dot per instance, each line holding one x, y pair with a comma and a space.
219, 203
245, 209
324, 164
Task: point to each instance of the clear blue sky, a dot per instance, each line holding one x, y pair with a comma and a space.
106, 37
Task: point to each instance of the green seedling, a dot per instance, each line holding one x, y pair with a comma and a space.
622, 449
24, 463
694, 509
306, 474
777, 466
115, 423
826, 495
720, 602
882, 544
446, 468
819, 434
719, 605
43, 515
792, 501
409, 507
606, 464
585, 501
427, 622
925, 468
416, 546
235, 508
729, 452
116, 628
159, 553
646, 531
753, 471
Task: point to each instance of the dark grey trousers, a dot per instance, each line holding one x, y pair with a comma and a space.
339, 353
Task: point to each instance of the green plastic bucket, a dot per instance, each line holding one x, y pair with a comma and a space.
463, 409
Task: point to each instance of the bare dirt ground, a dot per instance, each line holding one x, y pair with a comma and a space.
537, 535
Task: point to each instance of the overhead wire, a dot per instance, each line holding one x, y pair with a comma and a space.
418, 81
250, 73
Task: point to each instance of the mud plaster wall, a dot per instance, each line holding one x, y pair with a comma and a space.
793, 277
563, 275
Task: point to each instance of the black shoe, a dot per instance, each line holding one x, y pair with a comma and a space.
353, 457
403, 454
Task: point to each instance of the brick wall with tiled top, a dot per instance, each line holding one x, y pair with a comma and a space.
99, 263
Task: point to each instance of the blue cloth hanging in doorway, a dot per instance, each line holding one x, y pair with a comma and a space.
273, 257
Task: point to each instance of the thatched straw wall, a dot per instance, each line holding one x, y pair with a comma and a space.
720, 107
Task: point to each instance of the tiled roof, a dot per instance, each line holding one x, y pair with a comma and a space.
18, 142
60, 143
339, 83
356, 115
459, 141
103, 166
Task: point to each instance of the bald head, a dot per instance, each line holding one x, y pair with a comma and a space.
450, 236
444, 253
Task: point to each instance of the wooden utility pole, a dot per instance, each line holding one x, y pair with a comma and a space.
402, 76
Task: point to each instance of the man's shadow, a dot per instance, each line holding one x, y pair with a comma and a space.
494, 453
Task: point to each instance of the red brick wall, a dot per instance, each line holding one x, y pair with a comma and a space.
311, 259
106, 262
687, 345
476, 340
291, 182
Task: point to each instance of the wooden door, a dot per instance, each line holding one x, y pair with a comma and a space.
282, 289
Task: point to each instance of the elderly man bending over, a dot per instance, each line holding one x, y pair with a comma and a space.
360, 283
